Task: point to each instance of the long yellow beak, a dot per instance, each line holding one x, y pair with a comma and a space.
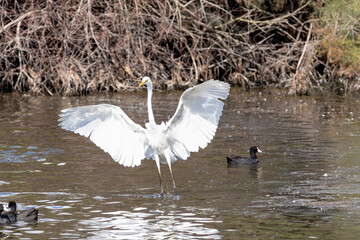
142, 83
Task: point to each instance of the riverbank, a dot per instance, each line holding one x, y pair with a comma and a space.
77, 48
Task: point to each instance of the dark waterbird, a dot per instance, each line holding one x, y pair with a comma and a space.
242, 161
3, 219
29, 215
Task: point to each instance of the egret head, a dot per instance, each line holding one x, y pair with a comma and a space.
145, 80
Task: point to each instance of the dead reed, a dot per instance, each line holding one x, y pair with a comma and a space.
76, 47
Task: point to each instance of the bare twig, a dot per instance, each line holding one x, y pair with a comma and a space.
19, 19
304, 49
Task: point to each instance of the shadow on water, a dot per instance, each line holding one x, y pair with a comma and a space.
306, 185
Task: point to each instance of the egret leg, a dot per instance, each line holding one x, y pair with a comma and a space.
157, 160
172, 176
168, 159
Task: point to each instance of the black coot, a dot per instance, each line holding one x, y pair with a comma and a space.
241, 161
28, 215
3, 217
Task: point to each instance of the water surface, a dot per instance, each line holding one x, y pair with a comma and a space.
307, 184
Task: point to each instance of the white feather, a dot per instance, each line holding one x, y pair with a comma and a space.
196, 118
110, 129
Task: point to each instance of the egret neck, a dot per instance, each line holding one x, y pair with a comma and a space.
149, 106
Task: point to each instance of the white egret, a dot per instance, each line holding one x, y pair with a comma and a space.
193, 125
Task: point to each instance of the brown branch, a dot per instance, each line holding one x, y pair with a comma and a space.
20, 18
304, 49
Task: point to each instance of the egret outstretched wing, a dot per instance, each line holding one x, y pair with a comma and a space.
196, 118
110, 129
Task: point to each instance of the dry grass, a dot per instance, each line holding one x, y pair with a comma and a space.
339, 32
76, 47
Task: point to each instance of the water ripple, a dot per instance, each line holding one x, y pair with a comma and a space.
23, 153
154, 225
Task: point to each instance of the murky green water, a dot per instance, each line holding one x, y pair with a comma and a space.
307, 184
